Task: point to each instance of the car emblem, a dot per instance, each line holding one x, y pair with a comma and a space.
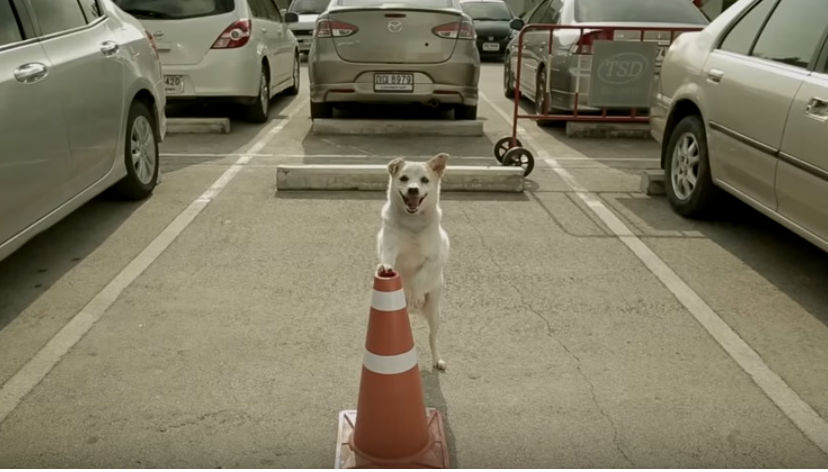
395, 26
158, 34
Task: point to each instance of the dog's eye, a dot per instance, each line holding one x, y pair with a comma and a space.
404, 178
424, 180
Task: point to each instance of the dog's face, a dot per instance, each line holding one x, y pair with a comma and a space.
415, 186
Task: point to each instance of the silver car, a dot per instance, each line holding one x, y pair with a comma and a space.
400, 51
743, 106
82, 110
307, 12
551, 80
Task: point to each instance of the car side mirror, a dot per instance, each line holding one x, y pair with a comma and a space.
291, 17
517, 24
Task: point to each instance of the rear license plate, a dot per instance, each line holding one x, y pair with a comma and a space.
394, 82
173, 84
491, 46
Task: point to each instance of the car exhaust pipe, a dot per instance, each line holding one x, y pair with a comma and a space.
433, 103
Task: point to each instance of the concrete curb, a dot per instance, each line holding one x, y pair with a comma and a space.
397, 127
375, 178
592, 129
652, 182
198, 125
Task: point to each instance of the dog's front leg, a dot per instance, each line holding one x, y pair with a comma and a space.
431, 310
387, 249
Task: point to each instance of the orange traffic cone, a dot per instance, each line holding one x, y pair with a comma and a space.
391, 427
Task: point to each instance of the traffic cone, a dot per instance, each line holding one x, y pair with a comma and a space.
391, 427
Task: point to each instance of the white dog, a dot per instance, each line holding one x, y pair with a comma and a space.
411, 240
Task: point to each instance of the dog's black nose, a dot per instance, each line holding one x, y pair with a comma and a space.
413, 190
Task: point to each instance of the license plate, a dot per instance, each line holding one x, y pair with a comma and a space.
394, 82
173, 84
491, 46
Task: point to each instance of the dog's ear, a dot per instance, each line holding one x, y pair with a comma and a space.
395, 166
438, 163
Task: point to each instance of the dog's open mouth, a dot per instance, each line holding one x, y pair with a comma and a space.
412, 202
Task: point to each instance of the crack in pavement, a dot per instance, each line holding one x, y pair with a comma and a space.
550, 332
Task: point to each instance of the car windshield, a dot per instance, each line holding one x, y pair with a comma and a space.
307, 7
395, 3
174, 10
638, 11
495, 11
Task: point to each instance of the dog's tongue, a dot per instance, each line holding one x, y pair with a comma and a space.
412, 202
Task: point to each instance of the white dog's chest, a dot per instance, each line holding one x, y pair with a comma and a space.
412, 256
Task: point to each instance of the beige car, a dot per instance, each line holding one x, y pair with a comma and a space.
743, 106
401, 51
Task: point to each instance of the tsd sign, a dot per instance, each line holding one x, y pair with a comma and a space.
622, 74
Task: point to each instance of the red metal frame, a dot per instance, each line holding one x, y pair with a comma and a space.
575, 116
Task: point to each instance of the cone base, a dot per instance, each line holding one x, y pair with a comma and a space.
434, 456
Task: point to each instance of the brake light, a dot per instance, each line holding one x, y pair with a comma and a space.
335, 29
152, 43
584, 44
234, 36
455, 30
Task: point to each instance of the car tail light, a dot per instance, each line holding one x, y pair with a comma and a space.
455, 30
235, 36
152, 42
335, 29
584, 44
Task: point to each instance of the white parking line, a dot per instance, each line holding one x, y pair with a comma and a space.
16, 388
797, 410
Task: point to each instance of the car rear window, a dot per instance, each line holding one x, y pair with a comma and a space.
174, 10
487, 10
308, 6
396, 3
638, 11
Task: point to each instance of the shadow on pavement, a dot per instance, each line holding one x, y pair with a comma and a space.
380, 196
30, 271
434, 398
792, 264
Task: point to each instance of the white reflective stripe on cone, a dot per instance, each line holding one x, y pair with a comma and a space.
388, 301
389, 365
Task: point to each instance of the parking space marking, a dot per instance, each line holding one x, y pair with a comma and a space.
780, 393
37, 368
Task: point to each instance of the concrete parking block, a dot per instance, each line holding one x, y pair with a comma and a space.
198, 125
397, 127
594, 129
375, 177
652, 182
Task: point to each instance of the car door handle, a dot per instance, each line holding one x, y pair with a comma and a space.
817, 108
108, 48
715, 75
31, 72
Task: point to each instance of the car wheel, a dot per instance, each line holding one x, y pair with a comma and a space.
321, 110
259, 111
465, 112
688, 180
541, 98
294, 89
140, 154
508, 89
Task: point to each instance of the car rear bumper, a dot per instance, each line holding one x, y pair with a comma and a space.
221, 73
659, 111
335, 80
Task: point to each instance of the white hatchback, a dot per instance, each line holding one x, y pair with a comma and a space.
240, 51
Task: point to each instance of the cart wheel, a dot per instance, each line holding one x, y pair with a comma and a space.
503, 145
519, 157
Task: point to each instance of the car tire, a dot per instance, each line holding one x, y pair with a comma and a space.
508, 88
465, 112
294, 89
259, 111
321, 110
687, 178
541, 98
140, 154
